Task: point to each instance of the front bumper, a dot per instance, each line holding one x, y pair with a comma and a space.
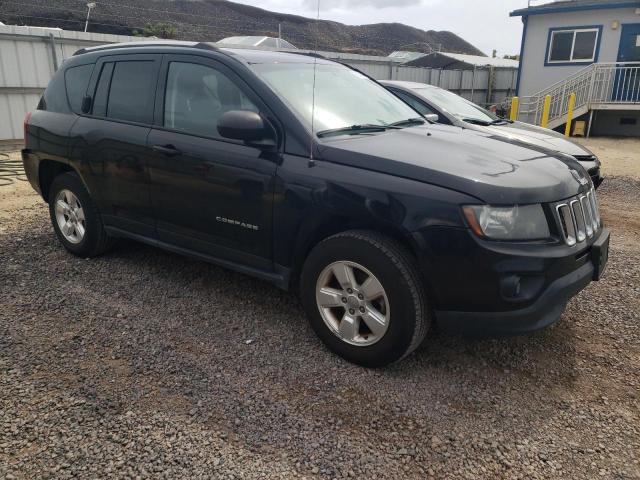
544, 312
552, 282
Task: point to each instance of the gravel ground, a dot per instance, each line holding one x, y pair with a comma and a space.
142, 363
620, 156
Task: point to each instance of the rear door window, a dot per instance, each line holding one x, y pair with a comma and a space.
132, 91
102, 90
125, 89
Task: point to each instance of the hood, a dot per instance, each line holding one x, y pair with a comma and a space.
492, 168
541, 137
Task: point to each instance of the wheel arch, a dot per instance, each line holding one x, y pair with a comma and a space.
337, 224
48, 170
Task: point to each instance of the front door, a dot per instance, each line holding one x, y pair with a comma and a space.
627, 84
210, 194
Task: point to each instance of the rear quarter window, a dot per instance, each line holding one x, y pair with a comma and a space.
54, 98
77, 81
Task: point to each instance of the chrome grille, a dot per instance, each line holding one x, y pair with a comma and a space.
579, 217
593, 201
588, 217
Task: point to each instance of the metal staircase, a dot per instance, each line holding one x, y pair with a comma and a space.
600, 86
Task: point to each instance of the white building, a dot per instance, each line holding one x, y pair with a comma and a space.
588, 47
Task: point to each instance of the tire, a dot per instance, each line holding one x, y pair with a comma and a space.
94, 240
402, 304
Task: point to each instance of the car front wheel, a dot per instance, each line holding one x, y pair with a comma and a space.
365, 298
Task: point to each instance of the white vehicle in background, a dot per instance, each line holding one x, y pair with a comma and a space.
256, 41
442, 106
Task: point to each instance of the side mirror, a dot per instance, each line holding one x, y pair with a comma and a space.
245, 125
432, 117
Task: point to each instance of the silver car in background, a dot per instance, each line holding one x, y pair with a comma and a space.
443, 106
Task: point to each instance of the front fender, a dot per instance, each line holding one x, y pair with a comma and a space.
315, 199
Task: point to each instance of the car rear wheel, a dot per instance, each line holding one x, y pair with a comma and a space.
365, 298
75, 217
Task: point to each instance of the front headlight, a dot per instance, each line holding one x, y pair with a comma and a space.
517, 222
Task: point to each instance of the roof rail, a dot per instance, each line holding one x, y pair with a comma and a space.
153, 43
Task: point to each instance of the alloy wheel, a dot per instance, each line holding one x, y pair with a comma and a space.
70, 216
353, 303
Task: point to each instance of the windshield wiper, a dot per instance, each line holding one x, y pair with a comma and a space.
501, 121
477, 121
408, 122
356, 129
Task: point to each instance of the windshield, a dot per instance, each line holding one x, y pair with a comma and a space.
456, 105
343, 97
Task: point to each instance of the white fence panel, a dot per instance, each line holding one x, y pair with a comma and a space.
413, 74
27, 63
377, 71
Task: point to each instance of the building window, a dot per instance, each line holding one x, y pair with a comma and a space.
576, 45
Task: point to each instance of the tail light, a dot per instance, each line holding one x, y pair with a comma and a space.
26, 125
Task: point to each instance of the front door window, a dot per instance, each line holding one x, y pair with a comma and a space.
197, 96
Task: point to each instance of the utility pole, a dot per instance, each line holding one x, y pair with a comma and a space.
90, 5
279, 35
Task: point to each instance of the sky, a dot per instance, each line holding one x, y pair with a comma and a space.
484, 23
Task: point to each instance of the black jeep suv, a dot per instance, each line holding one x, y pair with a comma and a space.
308, 174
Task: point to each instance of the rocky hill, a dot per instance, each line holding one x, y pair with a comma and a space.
211, 20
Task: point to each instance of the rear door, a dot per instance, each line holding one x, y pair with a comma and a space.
110, 140
210, 194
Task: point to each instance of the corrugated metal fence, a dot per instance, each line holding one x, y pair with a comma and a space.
30, 55
483, 85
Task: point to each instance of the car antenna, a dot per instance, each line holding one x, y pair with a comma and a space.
312, 161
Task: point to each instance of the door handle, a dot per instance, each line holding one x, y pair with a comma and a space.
168, 150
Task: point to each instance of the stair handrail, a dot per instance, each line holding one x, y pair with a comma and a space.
559, 92
582, 83
574, 75
590, 67
577, 83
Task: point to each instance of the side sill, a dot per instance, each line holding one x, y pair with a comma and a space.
279, 279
